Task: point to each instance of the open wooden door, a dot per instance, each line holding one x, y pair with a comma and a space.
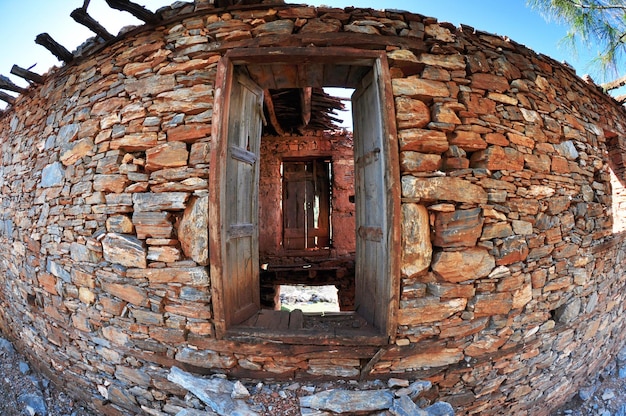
239, 206
373, 272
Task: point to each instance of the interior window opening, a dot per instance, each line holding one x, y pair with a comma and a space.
321, 215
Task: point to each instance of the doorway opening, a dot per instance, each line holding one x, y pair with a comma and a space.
309, 299
303, 243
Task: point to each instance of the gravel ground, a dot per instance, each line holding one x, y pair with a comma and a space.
605, 397
24, 392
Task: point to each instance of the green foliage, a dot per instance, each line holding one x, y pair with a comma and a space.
595, 23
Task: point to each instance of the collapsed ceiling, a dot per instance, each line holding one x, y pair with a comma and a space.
294, 110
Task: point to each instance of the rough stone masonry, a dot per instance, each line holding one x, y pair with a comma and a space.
510, 170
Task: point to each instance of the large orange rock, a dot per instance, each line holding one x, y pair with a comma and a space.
460, 266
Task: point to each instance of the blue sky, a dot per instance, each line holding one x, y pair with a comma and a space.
22, 20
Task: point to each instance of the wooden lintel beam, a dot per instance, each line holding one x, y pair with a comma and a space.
6, 84
81, 16
26, 74
305, 101
6, 97
136, 10
53, 46
269, 104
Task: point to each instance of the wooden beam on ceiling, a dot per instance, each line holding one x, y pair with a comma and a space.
81, 16
53, 46
7, 84
305, 102
27, 75
136, 10
269, 105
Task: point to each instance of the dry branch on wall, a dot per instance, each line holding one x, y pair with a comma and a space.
26, 74
81, 16
136, 10
53, 46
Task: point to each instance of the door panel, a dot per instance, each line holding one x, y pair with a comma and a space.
372, 251
306, 204
240, 203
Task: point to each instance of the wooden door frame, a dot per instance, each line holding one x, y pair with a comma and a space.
302, 56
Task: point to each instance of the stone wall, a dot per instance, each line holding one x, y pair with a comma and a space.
512, 288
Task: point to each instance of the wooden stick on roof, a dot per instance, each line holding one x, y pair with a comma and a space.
26, 74
6, 97
136, 10
269, 104
82, 17
57, 49
6, 84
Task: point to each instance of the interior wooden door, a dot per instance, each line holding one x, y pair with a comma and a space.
306, 204
240, 201
373, 294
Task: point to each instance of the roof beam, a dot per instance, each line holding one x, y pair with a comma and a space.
7, 84
269, 105
6, 97
26, 74
53, 46
81, 16
136, 10
305, 103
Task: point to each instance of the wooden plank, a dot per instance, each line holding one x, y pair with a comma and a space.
304, 337
243, 155
262, 75
282, 323
250, 322
305, 102
240, 230
285, 75
337, 75
270, 319
26, 74
296, 320
54, 47
81, 16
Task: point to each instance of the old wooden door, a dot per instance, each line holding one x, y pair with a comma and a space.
240, 201
373, 293
306, 204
